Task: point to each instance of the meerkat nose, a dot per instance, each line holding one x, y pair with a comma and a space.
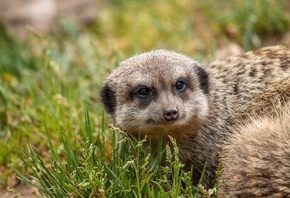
170, 114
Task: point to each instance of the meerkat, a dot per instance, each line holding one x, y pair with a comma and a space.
164, 92
257, 157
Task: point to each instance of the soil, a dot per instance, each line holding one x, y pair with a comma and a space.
21, 190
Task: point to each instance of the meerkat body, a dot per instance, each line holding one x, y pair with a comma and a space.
163, 92
257, 157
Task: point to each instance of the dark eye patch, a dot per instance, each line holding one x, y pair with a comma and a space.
142, 92
181, 85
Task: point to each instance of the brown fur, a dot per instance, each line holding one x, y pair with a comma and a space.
217, 97
275, 96
257, 157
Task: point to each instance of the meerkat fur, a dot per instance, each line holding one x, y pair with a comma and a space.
257, 157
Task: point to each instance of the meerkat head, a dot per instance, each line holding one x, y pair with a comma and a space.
158, 91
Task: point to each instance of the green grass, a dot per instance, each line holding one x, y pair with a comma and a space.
255, 22
85, 172
49, 83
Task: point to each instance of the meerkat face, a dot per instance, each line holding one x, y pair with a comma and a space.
158, 91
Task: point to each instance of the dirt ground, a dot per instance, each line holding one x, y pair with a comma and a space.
21, 190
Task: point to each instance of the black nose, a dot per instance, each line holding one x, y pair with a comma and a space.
170, 114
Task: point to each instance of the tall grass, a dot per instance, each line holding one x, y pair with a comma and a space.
86, 171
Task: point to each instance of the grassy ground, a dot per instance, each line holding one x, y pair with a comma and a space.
49, 85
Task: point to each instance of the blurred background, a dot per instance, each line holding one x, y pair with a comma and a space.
54, 55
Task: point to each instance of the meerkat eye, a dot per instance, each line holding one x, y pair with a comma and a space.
180, 85
142, 91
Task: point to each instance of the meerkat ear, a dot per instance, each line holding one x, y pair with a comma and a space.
108, 98
203, 79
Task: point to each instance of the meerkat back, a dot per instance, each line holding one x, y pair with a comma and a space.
257, 157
